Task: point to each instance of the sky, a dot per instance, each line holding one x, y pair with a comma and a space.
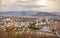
38, 5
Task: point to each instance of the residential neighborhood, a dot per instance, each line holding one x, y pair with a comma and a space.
38, 26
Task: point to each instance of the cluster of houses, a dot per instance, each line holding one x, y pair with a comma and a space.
47, 24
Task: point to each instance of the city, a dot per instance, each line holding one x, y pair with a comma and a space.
29, 27
29, 18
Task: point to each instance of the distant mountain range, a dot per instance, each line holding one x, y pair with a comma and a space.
26, 13
44, 14
18, 13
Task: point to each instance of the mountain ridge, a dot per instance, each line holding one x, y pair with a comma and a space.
44, 14
27, 13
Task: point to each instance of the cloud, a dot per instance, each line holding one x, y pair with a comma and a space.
43, 5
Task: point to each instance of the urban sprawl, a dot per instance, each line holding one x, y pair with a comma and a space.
30, 26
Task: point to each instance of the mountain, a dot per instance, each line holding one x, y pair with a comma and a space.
13, 13
18, 13
26, 13
44, 14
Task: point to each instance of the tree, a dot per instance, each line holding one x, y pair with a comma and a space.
33, 27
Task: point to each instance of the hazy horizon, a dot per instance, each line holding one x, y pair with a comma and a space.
36, 5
